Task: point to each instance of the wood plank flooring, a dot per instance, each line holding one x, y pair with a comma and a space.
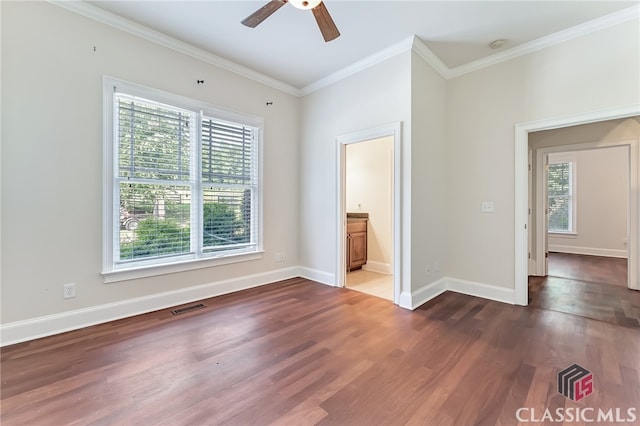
598, 269
589, 286
302, 353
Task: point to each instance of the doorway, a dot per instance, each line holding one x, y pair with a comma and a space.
588, 210
369, 211
368, 201
522, 207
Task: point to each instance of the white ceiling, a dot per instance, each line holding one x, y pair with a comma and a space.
288, 46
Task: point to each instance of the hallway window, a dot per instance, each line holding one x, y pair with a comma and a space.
561, 194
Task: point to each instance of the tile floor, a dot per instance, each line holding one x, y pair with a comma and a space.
373, 283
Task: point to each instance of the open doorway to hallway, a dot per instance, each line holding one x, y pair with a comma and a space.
525, 223
369, 217
582, 220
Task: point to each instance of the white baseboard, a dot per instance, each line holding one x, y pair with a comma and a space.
317, 275
423, 295
21, 331
379, 267
486, 291
590, 251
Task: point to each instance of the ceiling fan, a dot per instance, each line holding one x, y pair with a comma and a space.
325, 23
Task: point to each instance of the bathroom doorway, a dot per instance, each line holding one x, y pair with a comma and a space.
368, 208
369, 216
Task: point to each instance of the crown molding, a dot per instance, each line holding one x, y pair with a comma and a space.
580, 30
90, 11
412, 43
360, 65
415, 44
430, 58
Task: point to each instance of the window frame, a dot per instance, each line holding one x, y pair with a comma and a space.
572, 160
112, 270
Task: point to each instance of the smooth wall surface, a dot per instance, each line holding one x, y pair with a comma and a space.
52, 156
578, 76
377, 96
602, 182
369, 189
429, 184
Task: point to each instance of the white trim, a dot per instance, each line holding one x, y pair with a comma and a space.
48, 325
430, 58
398, 48
171, 268
580, 30
400, 175
90, 11
411, 300
485, 291
411, 43
572, 160
589, 251
319, 276
542, 235
21, 331
197, 258
379, 267
521, 205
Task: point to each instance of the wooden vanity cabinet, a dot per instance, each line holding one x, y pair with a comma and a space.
356, 243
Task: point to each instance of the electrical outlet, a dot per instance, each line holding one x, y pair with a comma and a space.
487, 207
280, 257
69, 291
428, 270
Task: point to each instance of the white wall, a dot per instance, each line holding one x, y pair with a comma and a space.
428, 175
377, 96
52, 158
602, 181
369, 189
578, 76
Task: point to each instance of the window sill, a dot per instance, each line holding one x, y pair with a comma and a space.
569, 234
188, 265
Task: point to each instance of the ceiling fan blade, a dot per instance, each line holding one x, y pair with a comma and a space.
327, 26
263, 13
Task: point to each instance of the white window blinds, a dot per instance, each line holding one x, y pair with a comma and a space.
154, 167
560, 196
184, 184
229, 178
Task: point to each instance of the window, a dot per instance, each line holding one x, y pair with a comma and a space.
561, 194
181, 182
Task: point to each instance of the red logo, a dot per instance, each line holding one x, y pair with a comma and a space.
575, 382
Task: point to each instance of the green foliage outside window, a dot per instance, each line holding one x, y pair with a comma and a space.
559, 196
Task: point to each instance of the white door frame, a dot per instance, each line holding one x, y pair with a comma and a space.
522, 187
391, 130
541, 224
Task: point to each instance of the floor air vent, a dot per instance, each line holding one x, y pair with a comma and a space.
187, 309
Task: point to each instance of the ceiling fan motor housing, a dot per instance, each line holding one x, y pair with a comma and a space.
304, 4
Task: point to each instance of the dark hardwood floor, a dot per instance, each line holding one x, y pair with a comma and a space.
301, 353
597, 269
589, 286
